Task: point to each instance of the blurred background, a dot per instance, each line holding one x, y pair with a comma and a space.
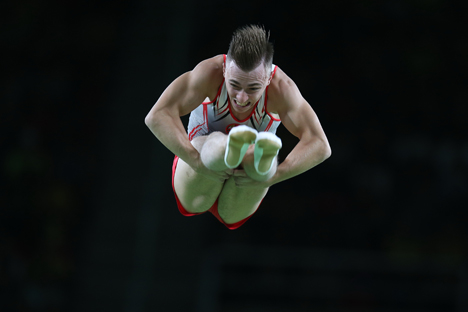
88, 221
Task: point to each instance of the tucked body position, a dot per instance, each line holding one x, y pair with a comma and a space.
226, 160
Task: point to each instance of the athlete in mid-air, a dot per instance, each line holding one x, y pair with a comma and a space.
227, 159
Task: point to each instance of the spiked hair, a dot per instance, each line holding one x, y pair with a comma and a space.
249, 47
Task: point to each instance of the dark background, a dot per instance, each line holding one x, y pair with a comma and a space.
88, 221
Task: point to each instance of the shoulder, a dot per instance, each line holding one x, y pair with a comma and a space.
211, 65
282, 92
281, 83
189, 90
209, 72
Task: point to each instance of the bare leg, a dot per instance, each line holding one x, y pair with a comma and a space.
212, 151
198, 193
236, 204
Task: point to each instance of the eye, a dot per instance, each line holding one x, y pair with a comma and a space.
252, 90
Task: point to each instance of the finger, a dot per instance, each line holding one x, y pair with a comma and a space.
225, 176
243, 185
241, 182
242, 177
220, 179
239, 173
217, 176
229, 172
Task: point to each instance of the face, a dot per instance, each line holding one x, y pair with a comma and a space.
245, 88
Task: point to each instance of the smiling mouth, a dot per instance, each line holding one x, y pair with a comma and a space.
241, 104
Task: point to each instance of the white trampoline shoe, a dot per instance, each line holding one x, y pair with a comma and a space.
267, 146
239, 140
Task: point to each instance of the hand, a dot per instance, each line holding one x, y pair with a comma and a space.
220, 176
243, 180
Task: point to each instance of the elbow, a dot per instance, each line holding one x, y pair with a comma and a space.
149, 120
153, 118
326, 150
157, 119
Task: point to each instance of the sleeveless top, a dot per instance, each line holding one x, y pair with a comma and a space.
217, 116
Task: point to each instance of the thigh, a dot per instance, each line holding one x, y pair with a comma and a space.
236, 204
196, 193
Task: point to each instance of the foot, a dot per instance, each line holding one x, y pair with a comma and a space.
267, 147
238, 142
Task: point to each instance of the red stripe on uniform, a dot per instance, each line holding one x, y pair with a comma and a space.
266, 97
219, 113
194, 131
205, 117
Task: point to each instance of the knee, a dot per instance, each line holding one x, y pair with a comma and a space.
215, 143
198, 142
218, 137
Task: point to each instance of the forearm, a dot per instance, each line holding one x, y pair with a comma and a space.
307, 154
169, 130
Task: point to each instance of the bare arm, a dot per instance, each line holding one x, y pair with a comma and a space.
181, 97
299, 119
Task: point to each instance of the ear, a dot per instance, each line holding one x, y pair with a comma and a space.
269, 79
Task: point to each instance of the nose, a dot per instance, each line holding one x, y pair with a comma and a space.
242, 97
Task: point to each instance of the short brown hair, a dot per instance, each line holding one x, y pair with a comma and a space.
250, 46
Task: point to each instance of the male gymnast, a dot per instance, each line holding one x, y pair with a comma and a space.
227, 159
